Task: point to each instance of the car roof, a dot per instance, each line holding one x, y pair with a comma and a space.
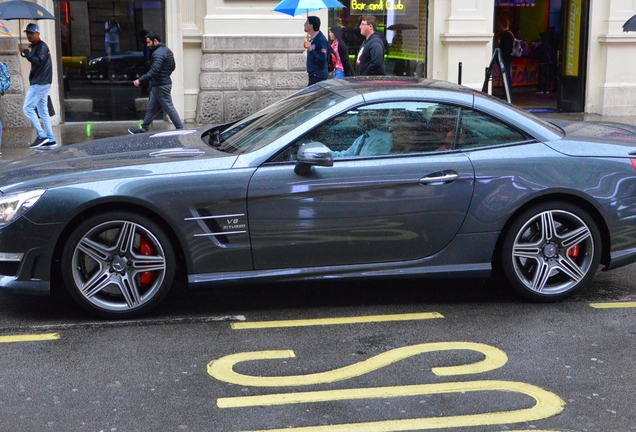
370, 84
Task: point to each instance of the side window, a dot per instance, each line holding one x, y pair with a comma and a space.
423, 127
388, 128
478, 130
360, 132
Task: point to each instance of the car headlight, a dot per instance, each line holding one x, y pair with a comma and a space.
95, 60
12, 206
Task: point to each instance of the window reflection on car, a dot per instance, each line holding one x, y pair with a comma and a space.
260, 129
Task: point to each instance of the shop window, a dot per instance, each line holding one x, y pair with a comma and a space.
102, 51
402, 24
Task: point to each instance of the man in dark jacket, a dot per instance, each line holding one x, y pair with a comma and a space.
40, 79
161, 67
370, 59
317, 51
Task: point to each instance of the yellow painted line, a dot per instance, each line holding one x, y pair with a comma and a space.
336, 321
223, 368
30, 337
613, 305
547, 405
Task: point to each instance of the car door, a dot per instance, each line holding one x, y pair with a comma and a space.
403, 204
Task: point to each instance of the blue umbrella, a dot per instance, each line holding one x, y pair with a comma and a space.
298, 7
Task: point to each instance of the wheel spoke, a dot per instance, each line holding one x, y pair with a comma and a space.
541, 276
527, 250
146, 263
98, 282
130, 290
569, 267
126, 238
575, 237
97, 251
548, 230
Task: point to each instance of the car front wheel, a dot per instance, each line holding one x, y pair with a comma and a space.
551, 251
118, 265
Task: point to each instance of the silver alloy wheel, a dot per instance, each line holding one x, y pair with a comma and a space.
553, 252
118, 266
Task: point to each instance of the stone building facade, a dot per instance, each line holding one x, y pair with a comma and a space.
240, 75
236, 57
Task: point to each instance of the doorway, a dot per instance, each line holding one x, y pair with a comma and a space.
551, 73
102, 51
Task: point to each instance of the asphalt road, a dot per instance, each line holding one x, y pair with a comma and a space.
412, 355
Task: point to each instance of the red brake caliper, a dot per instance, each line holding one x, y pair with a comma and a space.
574, 251
146, 249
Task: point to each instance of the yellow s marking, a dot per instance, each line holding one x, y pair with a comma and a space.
222, 369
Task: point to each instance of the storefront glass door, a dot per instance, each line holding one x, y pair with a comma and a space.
573, 70
402, 23
98, 68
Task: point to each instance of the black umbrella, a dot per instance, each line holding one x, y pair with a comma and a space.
19, 10
399, 26
630, 24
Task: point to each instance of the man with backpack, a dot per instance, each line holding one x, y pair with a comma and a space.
161, 67
40, 79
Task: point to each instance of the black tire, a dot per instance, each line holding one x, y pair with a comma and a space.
551, 251
118, 265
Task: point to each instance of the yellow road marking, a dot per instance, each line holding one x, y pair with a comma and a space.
336, 321
222, 369
613, 305
30, 337
547, 405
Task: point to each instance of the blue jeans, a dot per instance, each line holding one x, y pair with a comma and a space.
36, 97
0, 133
338, 74
112, 47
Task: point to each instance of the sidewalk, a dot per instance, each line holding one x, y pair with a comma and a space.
15, 142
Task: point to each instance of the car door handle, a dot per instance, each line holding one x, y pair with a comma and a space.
440, 178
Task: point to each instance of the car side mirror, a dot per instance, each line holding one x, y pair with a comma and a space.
310, 154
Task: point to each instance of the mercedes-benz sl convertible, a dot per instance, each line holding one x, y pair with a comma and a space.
354, 178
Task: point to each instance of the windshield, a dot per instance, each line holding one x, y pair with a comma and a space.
266, 125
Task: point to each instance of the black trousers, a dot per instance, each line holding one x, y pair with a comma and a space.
313, 79
160, 100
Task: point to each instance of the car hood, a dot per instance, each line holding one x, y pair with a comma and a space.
596, 139
126, 156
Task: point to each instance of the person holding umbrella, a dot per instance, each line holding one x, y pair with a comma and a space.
40, 79
317, 51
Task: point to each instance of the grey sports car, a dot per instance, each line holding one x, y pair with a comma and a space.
352, 178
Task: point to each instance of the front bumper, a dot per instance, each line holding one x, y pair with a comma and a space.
26, 251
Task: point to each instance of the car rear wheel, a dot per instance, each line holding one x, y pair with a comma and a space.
551, 251
118, 265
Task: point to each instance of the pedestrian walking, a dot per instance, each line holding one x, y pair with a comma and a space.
343, 64
370, 60
506, 43
317, 51
40, 79
162, 65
